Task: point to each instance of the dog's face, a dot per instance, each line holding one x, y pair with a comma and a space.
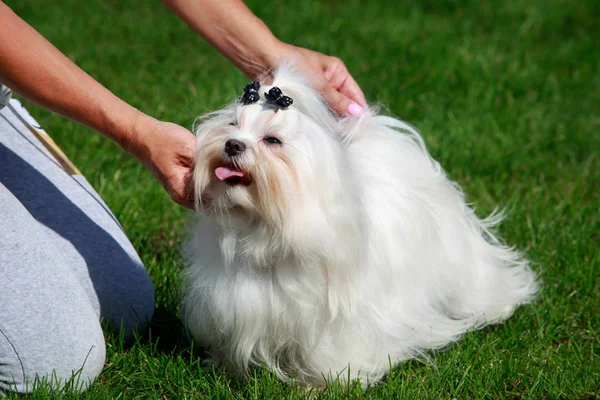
257, 160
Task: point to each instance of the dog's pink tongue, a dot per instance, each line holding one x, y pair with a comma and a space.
225, 173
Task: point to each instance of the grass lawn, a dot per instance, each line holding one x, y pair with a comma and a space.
507, 97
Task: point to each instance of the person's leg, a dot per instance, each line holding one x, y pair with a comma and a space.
78, 223
65, 262
48, 327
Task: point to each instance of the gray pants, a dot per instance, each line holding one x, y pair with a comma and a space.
65, 262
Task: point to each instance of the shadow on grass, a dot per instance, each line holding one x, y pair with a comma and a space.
166, 336
169, 337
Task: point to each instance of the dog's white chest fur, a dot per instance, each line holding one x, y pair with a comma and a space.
325, 255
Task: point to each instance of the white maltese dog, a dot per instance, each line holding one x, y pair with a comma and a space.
333, 248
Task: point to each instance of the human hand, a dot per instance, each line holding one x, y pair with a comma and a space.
167, 150
329, 76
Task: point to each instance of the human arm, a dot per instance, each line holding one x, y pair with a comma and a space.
231, 28
35, 69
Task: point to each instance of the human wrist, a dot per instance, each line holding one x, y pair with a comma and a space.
132, 130
277, 53
258, 55
269, 52
273, 53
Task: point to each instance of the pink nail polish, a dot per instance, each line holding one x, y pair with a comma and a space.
355, 110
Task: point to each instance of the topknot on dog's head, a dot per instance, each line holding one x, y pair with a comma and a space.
306, 98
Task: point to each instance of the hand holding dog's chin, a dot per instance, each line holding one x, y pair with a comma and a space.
167, 150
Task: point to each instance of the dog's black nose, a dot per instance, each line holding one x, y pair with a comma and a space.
234, 147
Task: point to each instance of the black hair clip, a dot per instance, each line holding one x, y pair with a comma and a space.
277, 99
250, 93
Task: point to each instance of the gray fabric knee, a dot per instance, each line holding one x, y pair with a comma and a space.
48, 328
75, 364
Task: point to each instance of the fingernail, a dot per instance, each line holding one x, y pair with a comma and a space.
355, 110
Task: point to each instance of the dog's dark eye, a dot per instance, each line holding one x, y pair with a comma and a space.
272, 140
232, 123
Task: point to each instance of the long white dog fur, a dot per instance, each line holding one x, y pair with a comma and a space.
339, 250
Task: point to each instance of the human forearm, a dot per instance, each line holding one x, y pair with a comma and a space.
35, 69
231, 28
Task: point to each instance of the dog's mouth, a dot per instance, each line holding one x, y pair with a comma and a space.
232, 175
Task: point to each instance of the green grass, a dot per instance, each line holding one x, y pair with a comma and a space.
507, 97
